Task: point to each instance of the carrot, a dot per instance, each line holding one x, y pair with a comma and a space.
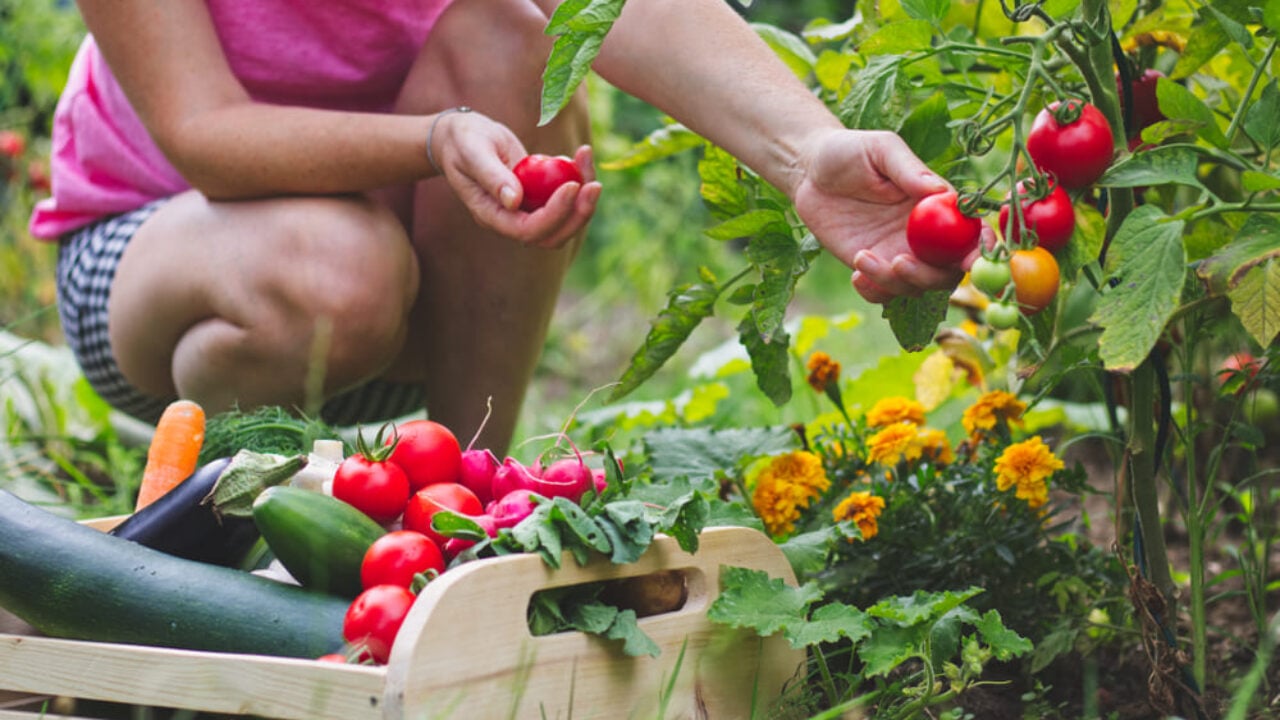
171, 458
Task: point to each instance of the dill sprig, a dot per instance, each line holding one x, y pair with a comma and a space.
267, 429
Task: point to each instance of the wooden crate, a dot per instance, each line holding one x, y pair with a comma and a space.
465, 651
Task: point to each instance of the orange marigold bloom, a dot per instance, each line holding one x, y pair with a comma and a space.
994, 406
894, 444
785, 487
892, 410
822, 371
935, 447
1027, 465
863, 509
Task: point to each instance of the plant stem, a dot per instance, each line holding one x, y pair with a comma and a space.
1195, 519
1248, 93
1142, 478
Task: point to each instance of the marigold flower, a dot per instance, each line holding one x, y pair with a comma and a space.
894, 444
785, 487
863, 509
934, 446
992, 407
1027, 465
822, 371
892, 410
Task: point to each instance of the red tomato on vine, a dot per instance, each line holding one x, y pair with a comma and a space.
1051, 218
1077, 152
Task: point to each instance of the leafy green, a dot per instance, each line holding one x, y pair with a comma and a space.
270, 429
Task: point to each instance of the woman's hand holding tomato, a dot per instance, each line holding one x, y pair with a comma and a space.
476, 156
854, 191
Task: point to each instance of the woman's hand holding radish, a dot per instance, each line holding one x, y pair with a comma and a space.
476, 156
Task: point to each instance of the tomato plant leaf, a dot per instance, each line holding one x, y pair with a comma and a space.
876, 99
751, 599
781, 262
721, 188
703, 455
832, 68
1271, 15
666, 141
1257, 241
770, 360
1254, 181
752, 222
1256, 301
1145, 268
1260, 120
687, 306
1238, 33
1158, 166
915, 320
1179, 103
829, 623
789, 48
580, 27
933, 11
927, 130
898, 38
1206, 40
1005, 643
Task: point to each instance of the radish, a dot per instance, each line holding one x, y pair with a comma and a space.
511, 476
478, 468
567, 478
512, 508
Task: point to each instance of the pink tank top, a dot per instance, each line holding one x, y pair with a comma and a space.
348, 55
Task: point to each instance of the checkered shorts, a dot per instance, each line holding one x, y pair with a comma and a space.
87, 261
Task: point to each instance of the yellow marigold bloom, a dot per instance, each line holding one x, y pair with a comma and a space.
1027, 465
785, 487
894, 444
892, 410
990, 408
822, 371
935, 447
863, 509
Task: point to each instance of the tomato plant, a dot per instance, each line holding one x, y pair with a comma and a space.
1002, 315
939, 233
541, 175
990, 276
1035, 278
1051, 218
431, 499
374, 617
1075, 151
398, 557
428, 452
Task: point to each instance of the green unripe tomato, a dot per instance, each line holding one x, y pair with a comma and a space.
990, 276
1261, 407
1002, 316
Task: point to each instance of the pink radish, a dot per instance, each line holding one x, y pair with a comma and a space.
478, 468
512, 508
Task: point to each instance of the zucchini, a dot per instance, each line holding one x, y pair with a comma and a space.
70, 581
319, 539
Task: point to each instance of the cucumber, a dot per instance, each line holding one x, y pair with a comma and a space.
70, 581
319, 539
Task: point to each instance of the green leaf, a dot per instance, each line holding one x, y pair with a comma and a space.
927, 129
890, 646
1271, 15
684, 519
751, 223
1175, 164
687, 306
915, 320
635, 642
808, 552
944, 636
829, 623
1256, 301
1256, 242
1262, 121
626, 524
789, 48
581, 26
898, 38
664, 142
832, 68
455, 525
770, 360
931, 10
781, 262
1254, 181
875, 101
1238, 33
578, 530
822, 30
1179, 103
1058, 642
1207, 39
751, 599
703, 455
920, 607
1005, 643
721, 189
1146, 266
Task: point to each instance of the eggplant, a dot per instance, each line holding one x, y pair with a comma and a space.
208, 517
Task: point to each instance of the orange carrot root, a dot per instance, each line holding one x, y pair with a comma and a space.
176, 444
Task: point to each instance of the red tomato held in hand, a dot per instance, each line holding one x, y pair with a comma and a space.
428, 452
12, 144
432, 499
378, 488
1035, 278
1052, 218
541, 175
939, 233
395, 558
374, 618
1076, 153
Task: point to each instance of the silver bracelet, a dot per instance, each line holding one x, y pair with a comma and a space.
431, 158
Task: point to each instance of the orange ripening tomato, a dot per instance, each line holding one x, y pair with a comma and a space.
1035, 278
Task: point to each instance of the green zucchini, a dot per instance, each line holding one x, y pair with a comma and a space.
70, 581
319, 539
